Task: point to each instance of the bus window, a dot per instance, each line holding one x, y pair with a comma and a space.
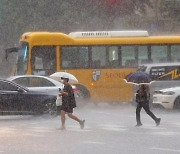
43, 60
159, 53
83, 57
98, 56
74, 57
142, 55
128, 56
175, 53
113, 54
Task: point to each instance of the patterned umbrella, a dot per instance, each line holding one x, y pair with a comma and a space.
138, 77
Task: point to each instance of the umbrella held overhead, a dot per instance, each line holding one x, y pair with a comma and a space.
138, 77
59, 75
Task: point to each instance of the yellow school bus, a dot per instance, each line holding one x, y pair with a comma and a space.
99, 59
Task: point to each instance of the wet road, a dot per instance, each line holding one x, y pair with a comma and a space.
109, 129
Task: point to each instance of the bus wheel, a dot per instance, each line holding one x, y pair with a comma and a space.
177, 103
82, 93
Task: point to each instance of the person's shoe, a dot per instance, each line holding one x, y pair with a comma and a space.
138, 124
82, 124
62, 128
158, 121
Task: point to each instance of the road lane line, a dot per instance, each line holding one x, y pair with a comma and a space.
168, 133
34, 135
94, 142
165, 149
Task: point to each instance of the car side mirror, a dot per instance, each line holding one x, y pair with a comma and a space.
20, 90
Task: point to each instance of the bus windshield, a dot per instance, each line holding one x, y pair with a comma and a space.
22, 58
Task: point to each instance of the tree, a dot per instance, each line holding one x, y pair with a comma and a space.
58, 15
168, 14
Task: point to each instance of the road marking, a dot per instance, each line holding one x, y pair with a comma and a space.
153, 127
41, 129
78, 129
35, 135
94, 142
165, 149
176, 124
165, 133
6, 130
114, 129
111, 127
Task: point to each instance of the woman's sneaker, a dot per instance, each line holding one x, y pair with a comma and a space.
62, 128
158, 121
138, 124
82, 124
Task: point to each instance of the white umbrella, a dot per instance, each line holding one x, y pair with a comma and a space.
58, 75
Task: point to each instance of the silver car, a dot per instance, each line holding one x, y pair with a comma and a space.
38, 83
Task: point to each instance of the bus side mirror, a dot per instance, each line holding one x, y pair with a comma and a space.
10, 50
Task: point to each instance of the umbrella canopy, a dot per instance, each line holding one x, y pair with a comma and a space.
58, 75
138, 77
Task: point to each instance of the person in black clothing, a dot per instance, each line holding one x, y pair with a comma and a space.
142, 99
68, 103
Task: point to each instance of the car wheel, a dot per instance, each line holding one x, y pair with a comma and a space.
49, 108
177, 103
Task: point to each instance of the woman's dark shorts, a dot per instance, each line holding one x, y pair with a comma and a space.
67, 109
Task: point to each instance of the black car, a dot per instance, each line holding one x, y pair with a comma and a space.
15, 99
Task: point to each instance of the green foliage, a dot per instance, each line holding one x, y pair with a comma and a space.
19, 16
170, 9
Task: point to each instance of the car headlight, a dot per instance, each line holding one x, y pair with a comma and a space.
168, 93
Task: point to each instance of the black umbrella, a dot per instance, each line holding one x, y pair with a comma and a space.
138, 77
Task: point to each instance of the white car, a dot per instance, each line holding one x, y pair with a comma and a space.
39, 83
168, 98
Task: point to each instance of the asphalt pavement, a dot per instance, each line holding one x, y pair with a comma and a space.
109, 129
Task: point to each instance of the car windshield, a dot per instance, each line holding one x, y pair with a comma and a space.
22, 59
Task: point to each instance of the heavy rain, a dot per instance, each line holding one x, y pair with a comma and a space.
91, 76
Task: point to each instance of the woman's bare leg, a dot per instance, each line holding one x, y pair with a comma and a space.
63, 119
74, 117
81, 122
